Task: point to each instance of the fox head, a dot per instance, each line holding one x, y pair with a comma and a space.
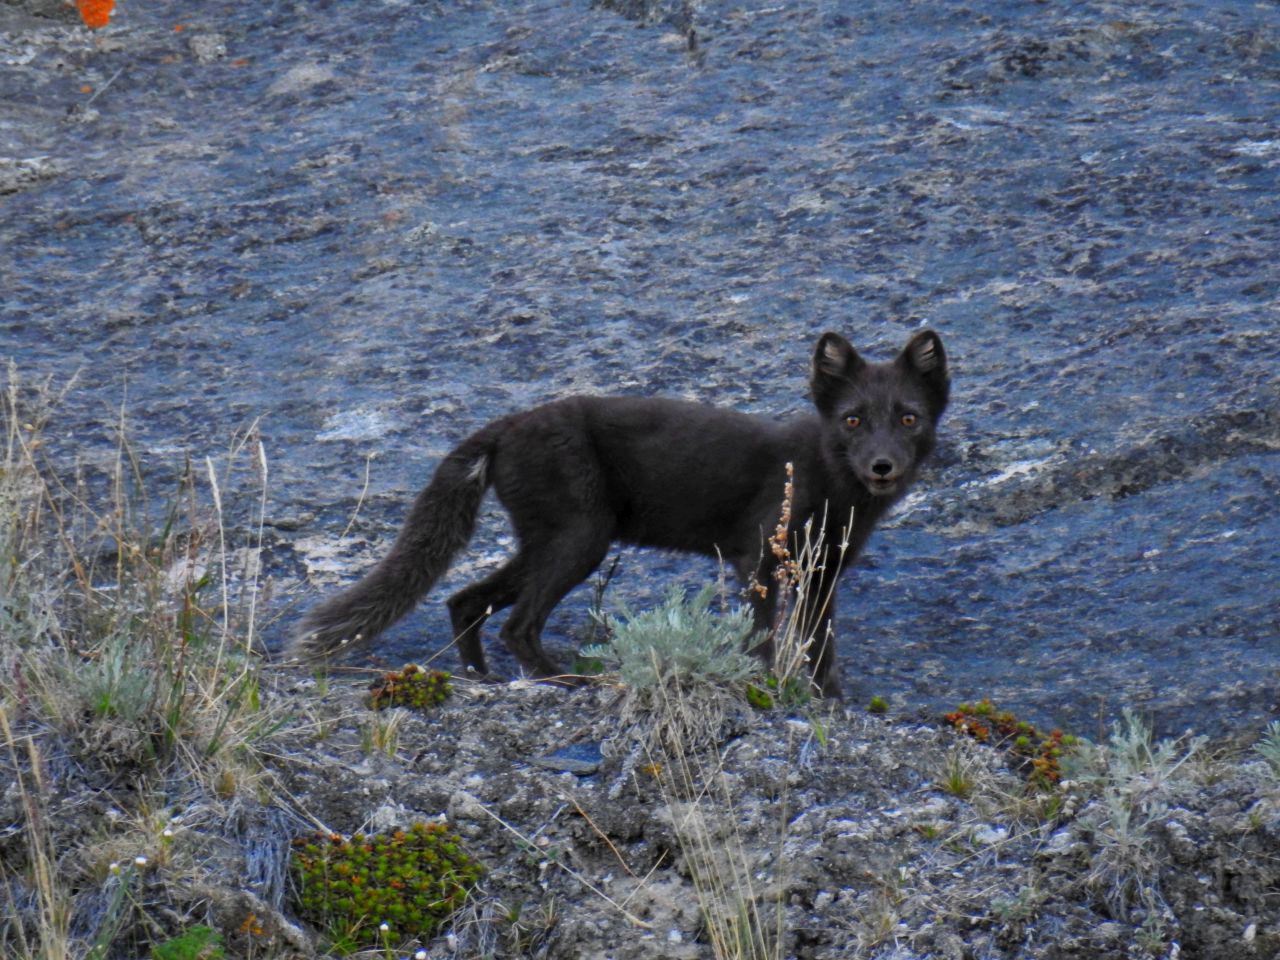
880, 419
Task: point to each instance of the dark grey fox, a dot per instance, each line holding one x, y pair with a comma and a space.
579, 473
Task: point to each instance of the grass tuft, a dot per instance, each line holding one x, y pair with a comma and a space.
1268, 748
684, 646
1131, 777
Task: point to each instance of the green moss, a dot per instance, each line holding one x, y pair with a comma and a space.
792, 692
411, 687
585, 666
412, 880
196, 943
878, 705
759, 697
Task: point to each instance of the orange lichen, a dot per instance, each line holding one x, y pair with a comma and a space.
95, 13
252, 926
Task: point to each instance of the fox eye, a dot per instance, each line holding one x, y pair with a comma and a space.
909, 419
852, 421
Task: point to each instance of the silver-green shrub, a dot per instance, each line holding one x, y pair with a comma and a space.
683, 640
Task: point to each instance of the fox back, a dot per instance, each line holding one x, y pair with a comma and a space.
581, 473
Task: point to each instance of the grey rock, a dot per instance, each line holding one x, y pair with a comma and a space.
208, 47
582, 759
23, 174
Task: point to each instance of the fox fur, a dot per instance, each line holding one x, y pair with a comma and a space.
580, 473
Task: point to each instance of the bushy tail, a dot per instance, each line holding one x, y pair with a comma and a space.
440, 523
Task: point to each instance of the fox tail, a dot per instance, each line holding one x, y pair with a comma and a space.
441, 522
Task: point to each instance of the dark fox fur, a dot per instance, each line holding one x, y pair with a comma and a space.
580, 473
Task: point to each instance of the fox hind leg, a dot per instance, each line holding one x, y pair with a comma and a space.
471, 606
554, 568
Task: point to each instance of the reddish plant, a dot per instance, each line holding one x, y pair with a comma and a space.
1037, 753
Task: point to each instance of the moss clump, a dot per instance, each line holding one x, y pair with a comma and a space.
411, 687
411, 880
789, 694
1040, 754
197, 943
878, 705
759, 697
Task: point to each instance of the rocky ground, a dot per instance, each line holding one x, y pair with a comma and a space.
848, 822
858, 836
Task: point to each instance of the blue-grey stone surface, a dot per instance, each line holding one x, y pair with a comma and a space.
371, 227
582, 759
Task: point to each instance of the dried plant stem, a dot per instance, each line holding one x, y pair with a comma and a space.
627, 914
364, 489
697, 792
54, 906
805, 586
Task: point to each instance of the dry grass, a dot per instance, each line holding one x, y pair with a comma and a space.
51, 934
739, 887
805, 592
127, 639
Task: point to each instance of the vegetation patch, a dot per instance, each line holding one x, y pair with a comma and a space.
1038, 754
197, 943
412, 687
789, 693
132, 709
1268, 748
679, 653
363, 890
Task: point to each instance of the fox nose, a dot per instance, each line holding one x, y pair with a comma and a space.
882, 468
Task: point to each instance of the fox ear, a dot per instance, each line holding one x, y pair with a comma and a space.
923, 355
835, 363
